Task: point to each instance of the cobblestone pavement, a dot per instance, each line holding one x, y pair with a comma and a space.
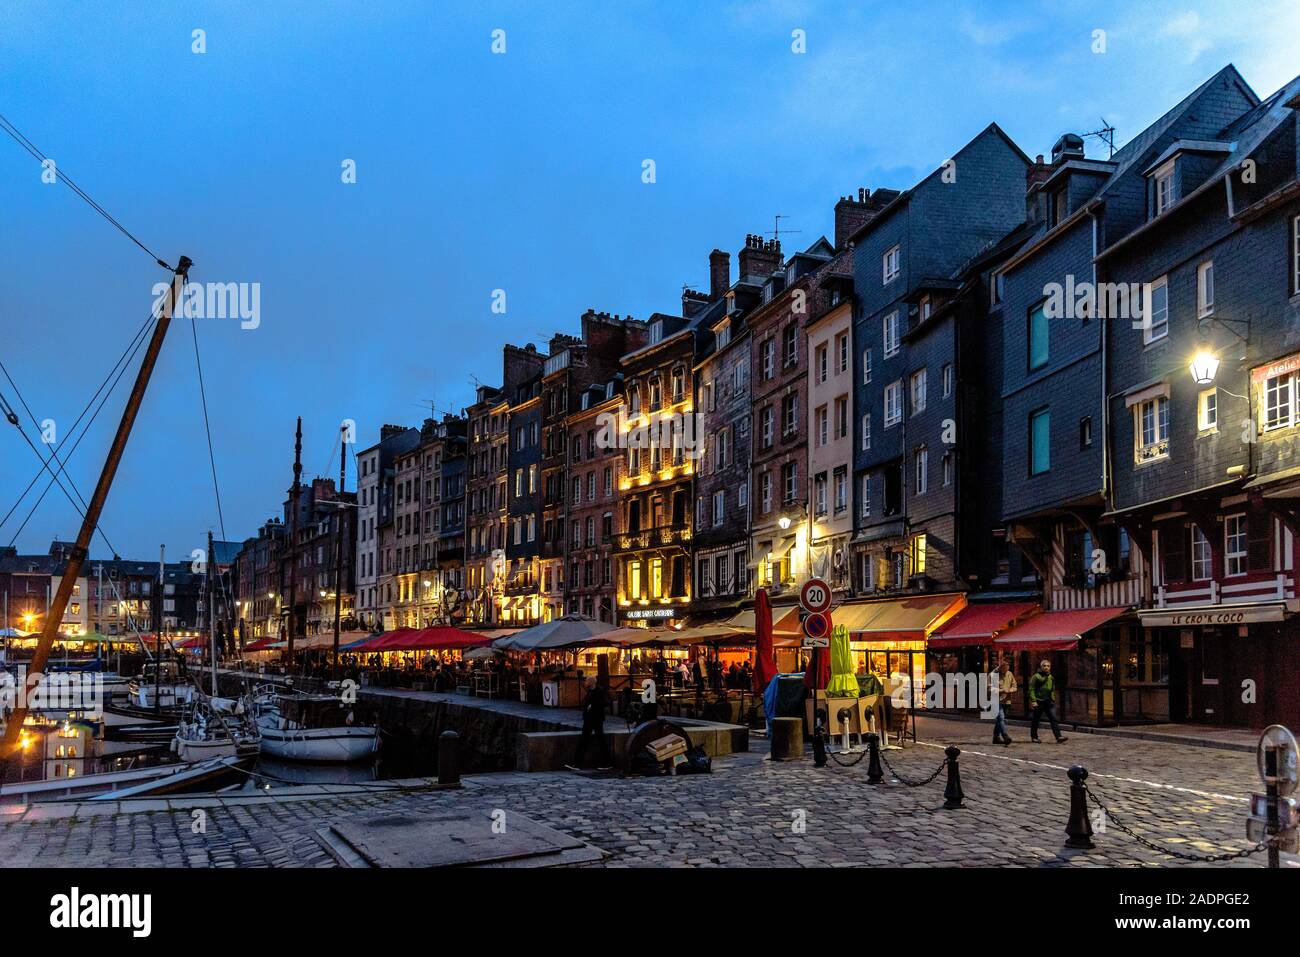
748, 812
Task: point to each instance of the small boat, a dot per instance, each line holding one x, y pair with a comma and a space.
159, 685
136, 782
209, 730
313, 728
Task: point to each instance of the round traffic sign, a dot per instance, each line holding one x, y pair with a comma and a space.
815, 596
817, 625
1277, 737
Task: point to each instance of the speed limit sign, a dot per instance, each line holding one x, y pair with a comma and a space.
815, 596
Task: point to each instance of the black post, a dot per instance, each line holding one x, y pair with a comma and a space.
875, 774
1079, 829
1270, 790
819, 736
449, 757
952, 794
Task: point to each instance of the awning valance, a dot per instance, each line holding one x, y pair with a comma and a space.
980, 624
906, 618
1056, 630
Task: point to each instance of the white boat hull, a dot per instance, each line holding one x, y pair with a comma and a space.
169, 696
201, 750
324, 745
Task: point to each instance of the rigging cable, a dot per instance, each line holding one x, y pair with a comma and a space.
132, 347
207, 427
30, 147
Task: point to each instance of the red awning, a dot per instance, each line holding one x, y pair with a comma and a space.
1056, 630
437, 639
978, 624
258, 644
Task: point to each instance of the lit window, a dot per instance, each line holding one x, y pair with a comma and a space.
917, 556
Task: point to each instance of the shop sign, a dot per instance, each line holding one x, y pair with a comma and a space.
643, 614
1227, 615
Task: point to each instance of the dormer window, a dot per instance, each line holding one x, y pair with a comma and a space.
724, 335
1163, 183
656, 332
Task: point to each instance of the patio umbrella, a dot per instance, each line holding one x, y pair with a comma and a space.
764, 659
559, 633
818, 673
14, 633
843, 680
477, 654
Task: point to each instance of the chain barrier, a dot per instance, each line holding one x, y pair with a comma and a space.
912, 784
1181, 855
835, 756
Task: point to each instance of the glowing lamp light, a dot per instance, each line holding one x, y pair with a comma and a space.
784, 522
1204, 366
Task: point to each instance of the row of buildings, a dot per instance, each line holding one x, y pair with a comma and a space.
116, 598
1028, 406
1044, 406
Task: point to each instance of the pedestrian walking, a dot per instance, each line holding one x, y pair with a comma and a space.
593, 722
1007, 688
1042, 699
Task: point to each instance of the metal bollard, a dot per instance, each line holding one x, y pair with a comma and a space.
952, 793
875, 773
449, 757
1078, 829
844, 715
819, 738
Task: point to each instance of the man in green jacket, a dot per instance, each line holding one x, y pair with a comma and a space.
1042, 698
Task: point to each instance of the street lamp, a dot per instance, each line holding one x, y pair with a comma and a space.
1204, 366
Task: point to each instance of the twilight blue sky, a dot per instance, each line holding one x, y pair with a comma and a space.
475, 172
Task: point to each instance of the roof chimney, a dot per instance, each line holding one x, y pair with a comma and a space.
852, 214
759, 259
719, 274
1068, 147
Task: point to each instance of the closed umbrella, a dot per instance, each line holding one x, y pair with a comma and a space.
818, 673
844, 682
764, 658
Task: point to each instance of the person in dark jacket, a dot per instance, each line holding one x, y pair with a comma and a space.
1042, 698
593, 722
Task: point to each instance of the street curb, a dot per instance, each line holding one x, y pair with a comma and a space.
1155, 736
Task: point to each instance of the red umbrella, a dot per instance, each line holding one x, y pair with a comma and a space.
818, 673
764, 658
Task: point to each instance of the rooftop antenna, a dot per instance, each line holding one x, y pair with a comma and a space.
776, 227
1106, 134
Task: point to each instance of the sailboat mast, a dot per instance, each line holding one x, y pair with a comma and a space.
212, 617
338, 538
72, 569
293, 534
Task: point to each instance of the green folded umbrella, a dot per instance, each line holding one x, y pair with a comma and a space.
843, 683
